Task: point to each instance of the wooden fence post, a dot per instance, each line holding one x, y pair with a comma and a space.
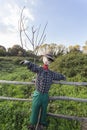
84, 125
37, 126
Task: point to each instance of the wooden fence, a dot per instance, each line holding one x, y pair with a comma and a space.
83, 120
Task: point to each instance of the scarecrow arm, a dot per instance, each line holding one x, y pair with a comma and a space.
58, 76
33, 67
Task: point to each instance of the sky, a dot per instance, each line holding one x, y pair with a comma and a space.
67, 20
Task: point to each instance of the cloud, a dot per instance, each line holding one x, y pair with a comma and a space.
8, 40
32, 2
27, 14
9, 16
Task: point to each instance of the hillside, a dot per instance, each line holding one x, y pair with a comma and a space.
15, 115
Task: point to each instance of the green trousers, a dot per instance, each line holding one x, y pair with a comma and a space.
40, 101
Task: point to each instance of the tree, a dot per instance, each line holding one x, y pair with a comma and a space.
2, 51
52, 48
36, 39
16, 50
42, 49
75, 48
85, 48
60, 50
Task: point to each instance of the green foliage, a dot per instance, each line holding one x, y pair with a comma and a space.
71, 65
2, 51
63, 124
15, 115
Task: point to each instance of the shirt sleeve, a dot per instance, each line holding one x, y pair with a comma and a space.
58, 76
33, 67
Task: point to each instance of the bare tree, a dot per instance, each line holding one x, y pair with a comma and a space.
36, 38
52, 48
85, 48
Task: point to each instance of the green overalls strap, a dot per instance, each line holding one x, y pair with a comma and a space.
40, 101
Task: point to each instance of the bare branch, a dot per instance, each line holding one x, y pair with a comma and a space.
43, 39
33, 35
26, 45
21, 27
42, 34
24, 30
37, 34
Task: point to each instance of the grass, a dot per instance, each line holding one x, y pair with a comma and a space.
10, 69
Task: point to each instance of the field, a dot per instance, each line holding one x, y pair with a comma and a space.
14, 115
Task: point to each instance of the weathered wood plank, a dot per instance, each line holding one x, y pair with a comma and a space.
84, 125
68, 98
14, 99
70, 83
55, 82
50, 98
15, 82
67, 117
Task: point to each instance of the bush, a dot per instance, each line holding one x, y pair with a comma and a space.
71, 64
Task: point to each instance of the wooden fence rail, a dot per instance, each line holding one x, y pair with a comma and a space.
54, 82
50, 98
67, 117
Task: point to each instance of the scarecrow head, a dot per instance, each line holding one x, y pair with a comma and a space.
47, 59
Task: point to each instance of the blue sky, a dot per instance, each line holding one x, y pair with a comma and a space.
67, 20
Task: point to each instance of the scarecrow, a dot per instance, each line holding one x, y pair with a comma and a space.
43, 83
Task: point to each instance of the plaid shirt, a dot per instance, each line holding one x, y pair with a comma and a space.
44, 77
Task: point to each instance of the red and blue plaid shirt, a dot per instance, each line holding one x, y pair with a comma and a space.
44, 77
